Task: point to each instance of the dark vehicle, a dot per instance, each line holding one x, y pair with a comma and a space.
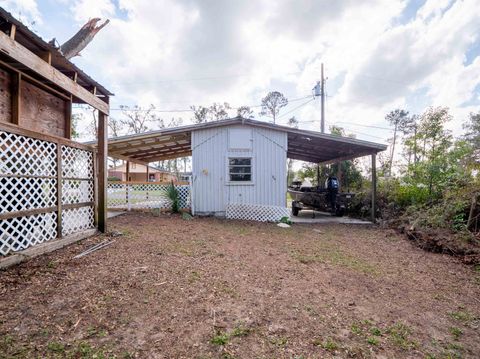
327, 199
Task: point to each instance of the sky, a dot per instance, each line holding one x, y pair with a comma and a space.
378, 55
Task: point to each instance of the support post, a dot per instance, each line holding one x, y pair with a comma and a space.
68, 119
127, 186
148, 173
374, 186
102, 170
59, 190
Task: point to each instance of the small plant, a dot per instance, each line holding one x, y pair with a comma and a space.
462, 316
329, 345
375, 331
456, 332
220, 338
400, 335
56, 347
355, 329
240, 331
172, 194
285, 220
372, 341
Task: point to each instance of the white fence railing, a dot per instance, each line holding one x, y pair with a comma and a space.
145, 195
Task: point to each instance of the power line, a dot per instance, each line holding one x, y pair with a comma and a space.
370, 126
296, 108
189, 109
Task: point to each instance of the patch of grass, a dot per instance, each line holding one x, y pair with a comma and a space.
456, 332
330, 345
399, 334
240, 331
462, 316
56, 347
375, 331
356, 329
193, 277
220, 338
372, 340
279, 342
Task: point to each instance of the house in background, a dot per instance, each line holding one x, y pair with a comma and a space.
138, 173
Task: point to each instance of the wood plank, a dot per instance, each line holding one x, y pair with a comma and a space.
78, 205
33, 62
126, 158
179, 183
35, 81
8, 127
68, 119
59, 191
13, 31
155, 151
122, 147
6, 99
102, 162
29, 212
168, 157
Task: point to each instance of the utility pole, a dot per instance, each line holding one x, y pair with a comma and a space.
319, 90
322, 103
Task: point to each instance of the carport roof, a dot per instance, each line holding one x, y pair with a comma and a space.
310, 146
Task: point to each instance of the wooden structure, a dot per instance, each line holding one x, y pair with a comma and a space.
140, 173
50, 186
239, 165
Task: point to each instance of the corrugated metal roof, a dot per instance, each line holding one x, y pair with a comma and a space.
304, 145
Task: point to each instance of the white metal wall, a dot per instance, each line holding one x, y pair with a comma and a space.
210, 152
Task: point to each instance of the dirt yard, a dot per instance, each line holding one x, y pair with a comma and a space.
208, 288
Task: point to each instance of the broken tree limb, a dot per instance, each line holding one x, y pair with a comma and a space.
94, 248
82, 38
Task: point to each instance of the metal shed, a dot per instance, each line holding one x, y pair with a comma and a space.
218, 147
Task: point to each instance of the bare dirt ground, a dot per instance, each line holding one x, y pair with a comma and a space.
209, 288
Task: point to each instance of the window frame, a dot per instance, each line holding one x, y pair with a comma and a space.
228, 166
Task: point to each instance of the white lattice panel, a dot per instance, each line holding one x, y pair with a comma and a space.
77, 219
22, 232
77, 163
20, 155
256, 212
20, 193
145, 196
77, 191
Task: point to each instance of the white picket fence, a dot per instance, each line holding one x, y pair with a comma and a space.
145, 195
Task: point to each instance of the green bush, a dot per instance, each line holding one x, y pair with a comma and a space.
172, 194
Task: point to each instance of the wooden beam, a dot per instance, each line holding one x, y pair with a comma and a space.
16, 98
154, 151
33, 62
168, 157
148, 173
102, 163
13, 31
68, 119
127, 171
374, 187
126, 158
33, 80
46, 56
114, 148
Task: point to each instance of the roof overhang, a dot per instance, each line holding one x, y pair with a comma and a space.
309, 146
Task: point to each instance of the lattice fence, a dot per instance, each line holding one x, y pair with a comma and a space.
256, 212
29, 190
147, 195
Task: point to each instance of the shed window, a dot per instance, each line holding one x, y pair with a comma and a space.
240, 169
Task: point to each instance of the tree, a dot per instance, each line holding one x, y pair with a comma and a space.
398, 119
115, 126
200, 114
137, 118
272, 103
76, 118
472, 136
346, 171
292, 122
245, 112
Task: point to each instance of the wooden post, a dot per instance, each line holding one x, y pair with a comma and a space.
127, 186
374, 186
102, 170
68, 119
148, 173
16, 98
59, 190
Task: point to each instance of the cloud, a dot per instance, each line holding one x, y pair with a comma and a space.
24, 10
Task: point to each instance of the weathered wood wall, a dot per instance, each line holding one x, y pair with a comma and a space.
5, 96
41, 111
